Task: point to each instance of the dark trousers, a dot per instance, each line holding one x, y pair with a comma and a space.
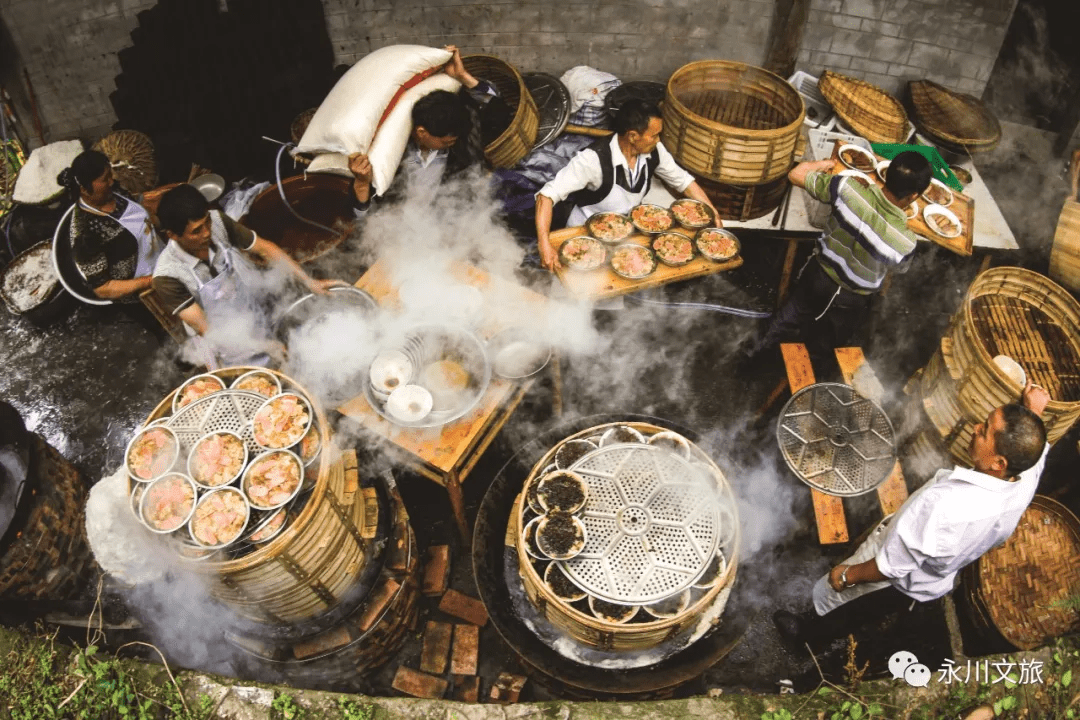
861, 614
801, 319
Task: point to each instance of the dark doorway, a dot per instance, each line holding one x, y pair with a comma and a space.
205, 83
1036, 79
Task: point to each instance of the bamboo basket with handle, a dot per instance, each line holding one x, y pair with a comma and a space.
311, 565
592, 630
730, 122
866, 108
517, 140
1065, 252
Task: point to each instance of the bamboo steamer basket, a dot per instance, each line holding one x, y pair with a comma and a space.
745, 202
587, 628
732, 123
48, 556
866, 108
1026, 588
1065, 252
131, 154
953, 118
1014, 312
518, 139
309, 567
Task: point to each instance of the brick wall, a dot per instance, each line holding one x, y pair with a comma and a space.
888, 42
69, 46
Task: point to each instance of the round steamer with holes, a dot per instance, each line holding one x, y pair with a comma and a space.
1013, 312
661, 532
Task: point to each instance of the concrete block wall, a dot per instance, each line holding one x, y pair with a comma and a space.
69, 46
634, 39
889, 42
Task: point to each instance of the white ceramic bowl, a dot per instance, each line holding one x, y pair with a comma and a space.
410, 403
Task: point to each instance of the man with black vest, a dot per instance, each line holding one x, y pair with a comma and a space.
613, 175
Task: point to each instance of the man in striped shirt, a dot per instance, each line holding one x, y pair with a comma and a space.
866, 234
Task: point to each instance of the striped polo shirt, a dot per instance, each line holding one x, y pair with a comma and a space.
865, 234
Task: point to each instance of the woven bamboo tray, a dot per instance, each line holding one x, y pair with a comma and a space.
962, 206
953, 118
867, 109
1014, 312
585, 627
518, 139
316, 559
745, 202
1028, 587
131, 154
730, 122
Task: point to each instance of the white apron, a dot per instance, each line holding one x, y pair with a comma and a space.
618, 200
826, 599
136, 221
218, 294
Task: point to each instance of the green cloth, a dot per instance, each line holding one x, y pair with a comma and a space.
937, 163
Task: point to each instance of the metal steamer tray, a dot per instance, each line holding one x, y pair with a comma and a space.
653, 524
835, 440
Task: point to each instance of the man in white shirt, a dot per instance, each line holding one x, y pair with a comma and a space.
613, 175
948, 523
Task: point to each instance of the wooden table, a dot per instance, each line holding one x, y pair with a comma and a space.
603, 283
829, 509
448, 454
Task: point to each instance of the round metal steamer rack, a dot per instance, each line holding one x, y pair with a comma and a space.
836, 441
662, 508
311, 564
1013, 312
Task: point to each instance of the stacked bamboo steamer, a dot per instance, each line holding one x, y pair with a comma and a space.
736, 128
1007, 311
1065, 253
316, 559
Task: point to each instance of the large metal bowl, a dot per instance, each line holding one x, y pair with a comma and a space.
311, 306
434, 343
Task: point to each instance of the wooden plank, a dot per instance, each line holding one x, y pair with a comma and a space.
893, 492
462, 606
828, 509
465, 657
436, 570
418, 684
603, 283
436, 647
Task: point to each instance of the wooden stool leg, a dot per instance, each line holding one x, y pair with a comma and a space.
457, 504
556, 384
785, 273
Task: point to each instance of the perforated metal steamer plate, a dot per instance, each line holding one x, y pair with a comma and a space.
835, 440
652, 524
224, 410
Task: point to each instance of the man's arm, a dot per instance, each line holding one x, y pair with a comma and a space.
360, 167
798, 174
115, 289
694, 191
548, 257
1035, 398
271, 254
866, 572
456, 69
194, 316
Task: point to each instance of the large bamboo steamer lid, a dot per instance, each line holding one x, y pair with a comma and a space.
312, 563
1065, 252
587, 628
517, 140
731, 122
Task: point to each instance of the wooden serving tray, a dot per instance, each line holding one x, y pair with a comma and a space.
603, 283
962, 206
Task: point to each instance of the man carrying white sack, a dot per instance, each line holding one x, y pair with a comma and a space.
613, 175
439, 141
915, 553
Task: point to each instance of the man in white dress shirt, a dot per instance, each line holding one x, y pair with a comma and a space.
613, 175
948, 523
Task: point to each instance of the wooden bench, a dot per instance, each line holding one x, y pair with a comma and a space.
829, 509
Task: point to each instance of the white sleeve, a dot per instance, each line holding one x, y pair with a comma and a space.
919, 536
669, 171
583, 171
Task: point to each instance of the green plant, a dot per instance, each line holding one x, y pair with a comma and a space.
285, 708
782, 714
352, 710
